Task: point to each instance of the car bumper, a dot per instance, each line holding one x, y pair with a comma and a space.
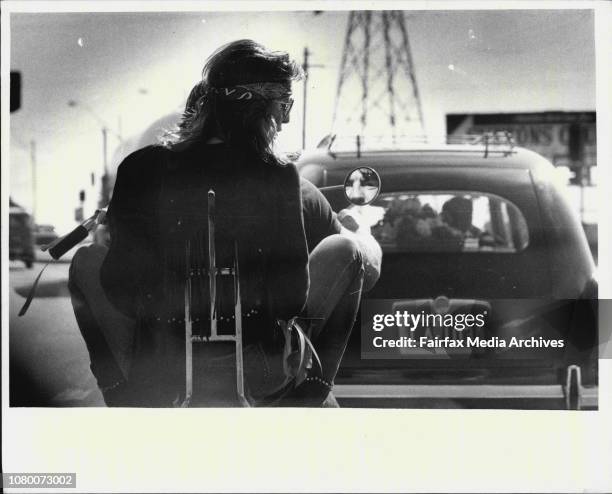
553, 396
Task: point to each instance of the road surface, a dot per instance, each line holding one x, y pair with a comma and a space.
48, 358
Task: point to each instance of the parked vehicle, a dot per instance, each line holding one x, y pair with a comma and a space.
21, 238
470, 228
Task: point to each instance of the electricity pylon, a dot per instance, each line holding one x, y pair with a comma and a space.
377, 92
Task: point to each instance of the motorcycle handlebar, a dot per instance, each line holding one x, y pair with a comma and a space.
68, 242
62, 245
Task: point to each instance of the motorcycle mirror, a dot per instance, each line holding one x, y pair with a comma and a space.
362, 185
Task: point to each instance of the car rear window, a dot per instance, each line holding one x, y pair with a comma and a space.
447, 221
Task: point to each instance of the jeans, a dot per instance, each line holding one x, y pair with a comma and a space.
336, 280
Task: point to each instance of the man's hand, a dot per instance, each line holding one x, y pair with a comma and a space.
353, 220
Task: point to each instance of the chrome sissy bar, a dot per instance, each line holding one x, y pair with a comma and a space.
190, 338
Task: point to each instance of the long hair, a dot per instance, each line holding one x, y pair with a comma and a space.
243, 124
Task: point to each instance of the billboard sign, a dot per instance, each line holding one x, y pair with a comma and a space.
562, 137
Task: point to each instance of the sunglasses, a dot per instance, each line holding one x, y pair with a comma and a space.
286, 106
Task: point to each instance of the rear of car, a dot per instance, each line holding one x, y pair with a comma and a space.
477, 234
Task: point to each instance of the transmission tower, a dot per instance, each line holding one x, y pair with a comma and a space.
377, 91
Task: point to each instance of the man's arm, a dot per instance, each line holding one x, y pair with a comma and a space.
320, 221
356, 229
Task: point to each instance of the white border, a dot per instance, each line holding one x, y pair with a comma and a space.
287, 5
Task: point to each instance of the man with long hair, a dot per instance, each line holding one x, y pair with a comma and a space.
296, 258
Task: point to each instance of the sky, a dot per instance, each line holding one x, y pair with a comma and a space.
125, 70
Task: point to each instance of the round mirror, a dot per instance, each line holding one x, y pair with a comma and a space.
362, 185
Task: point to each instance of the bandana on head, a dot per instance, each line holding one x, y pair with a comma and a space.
258, 90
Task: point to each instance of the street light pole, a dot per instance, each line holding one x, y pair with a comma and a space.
306, 66
104, 192
73, 103
33, 163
